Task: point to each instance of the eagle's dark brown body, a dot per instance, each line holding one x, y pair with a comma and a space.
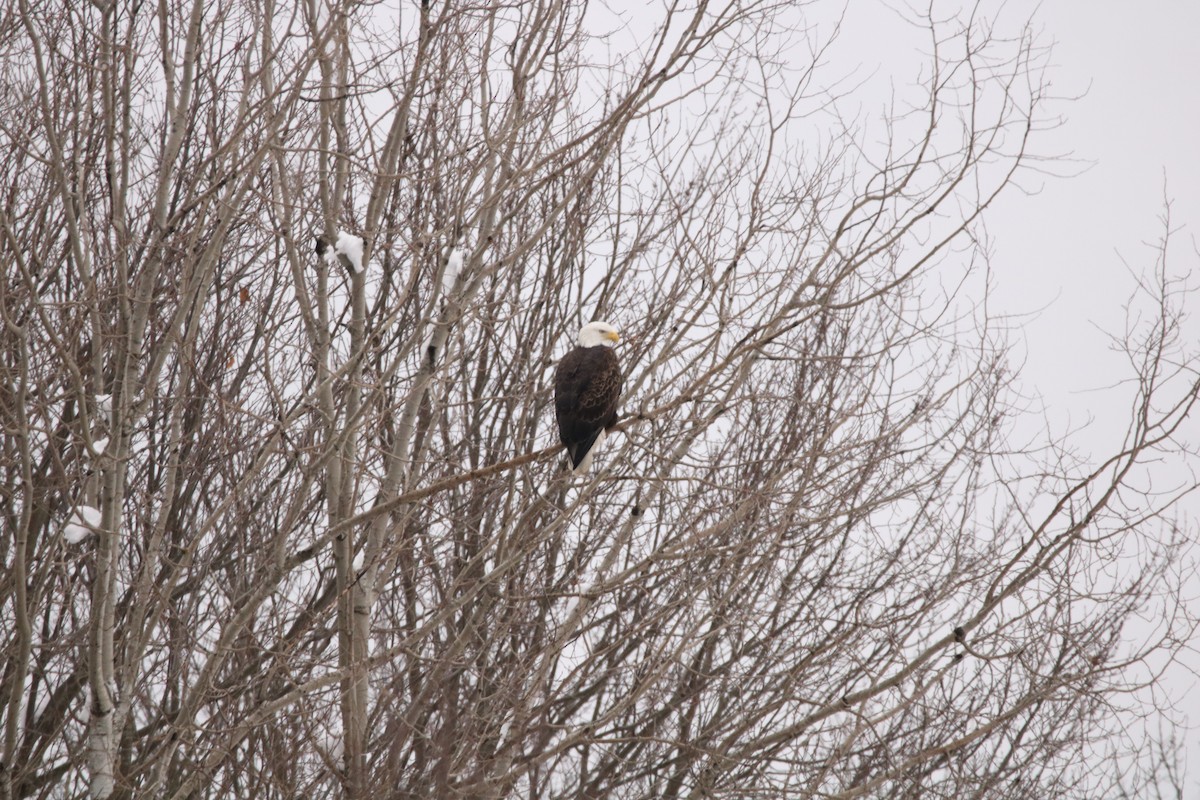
587, 387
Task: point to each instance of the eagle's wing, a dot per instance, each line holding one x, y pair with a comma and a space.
602, 389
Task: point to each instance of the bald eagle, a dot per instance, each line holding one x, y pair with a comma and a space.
587, 386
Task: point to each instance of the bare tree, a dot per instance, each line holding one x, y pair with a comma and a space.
284, 515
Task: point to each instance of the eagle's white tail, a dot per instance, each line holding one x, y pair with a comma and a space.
586, 464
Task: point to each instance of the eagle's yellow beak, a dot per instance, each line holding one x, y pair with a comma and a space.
613, 336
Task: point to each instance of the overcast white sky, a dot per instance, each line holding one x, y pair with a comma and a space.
1062, 252
1134, 135
1139, 127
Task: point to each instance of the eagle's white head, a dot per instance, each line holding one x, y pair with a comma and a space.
597, 333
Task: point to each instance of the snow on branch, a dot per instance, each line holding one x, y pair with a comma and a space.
351, 247
83, 522
453, 269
